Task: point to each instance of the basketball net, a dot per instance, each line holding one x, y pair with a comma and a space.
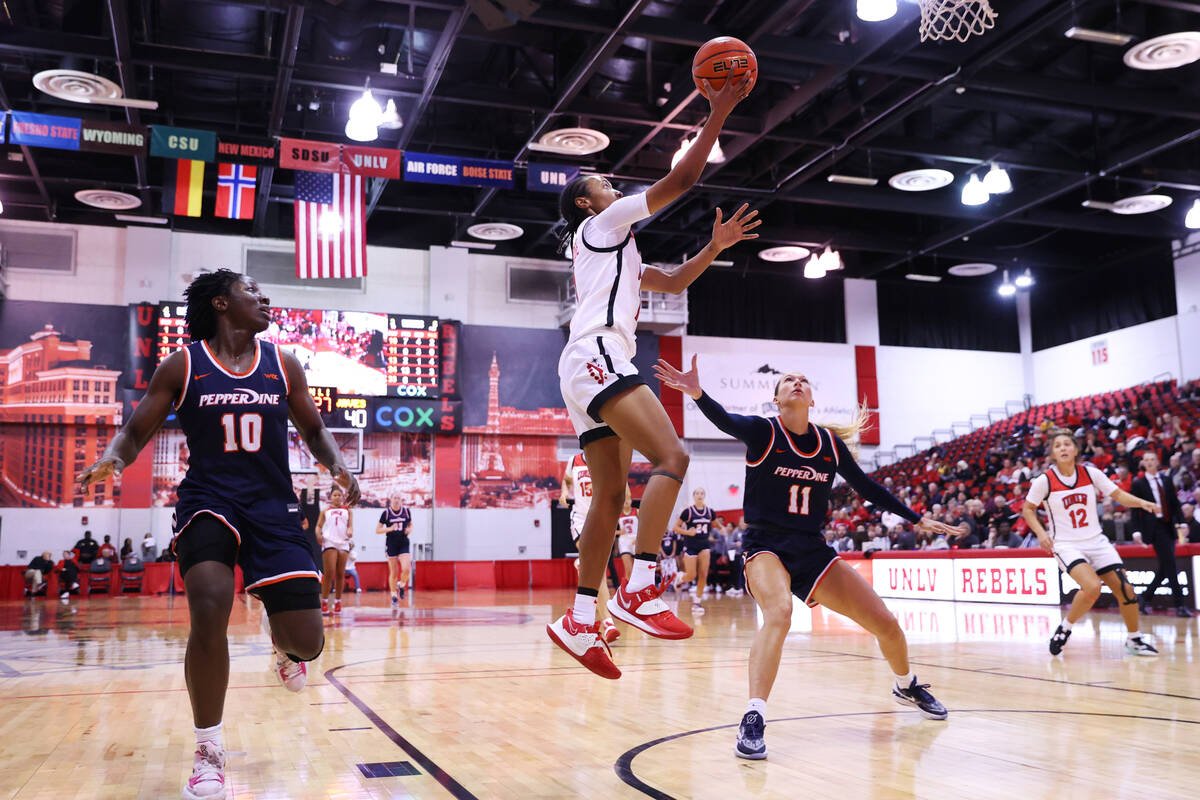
955, 20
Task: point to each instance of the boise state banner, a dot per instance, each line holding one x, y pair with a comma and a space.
456, 171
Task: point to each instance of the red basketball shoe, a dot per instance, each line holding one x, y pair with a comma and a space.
645, 611
609, 631
585, 644
208, 774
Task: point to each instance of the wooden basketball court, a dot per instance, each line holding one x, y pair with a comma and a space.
462, 695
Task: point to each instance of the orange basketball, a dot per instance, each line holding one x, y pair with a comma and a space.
722, 58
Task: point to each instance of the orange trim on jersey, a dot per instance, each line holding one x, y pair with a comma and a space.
766, 452
192, 519
792, 444
231, 373
286, 576
187, 377
578, 461
808, 601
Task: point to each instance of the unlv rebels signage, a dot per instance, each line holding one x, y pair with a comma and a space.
374, 161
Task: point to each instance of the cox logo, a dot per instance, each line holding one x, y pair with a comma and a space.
403, 417
412, 391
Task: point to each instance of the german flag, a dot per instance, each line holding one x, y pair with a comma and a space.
183, 188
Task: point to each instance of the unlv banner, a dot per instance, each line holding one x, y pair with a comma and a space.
741, 374
377, 162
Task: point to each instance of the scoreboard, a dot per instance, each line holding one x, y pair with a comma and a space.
387, 414
411, 353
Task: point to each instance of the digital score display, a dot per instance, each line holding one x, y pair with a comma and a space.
411, 353
387, 414
171, 333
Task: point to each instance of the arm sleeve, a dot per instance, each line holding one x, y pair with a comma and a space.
615, 220
1038, 490
754, 432
1102, 481
868, 489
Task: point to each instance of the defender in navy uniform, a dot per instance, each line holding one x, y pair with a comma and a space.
790, 468
233, 396
395, 521
695, 523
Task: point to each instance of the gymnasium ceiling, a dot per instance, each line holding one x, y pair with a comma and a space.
1067, 119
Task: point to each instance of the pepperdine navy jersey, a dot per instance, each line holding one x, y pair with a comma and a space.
403, 518
698, 520
789, 477
236, 427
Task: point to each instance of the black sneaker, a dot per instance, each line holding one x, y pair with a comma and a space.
1137, 646
1183, 611
402, 593
1058, 640
915, 695
750, 743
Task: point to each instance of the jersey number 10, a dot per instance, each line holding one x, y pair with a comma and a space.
250, 427
798, 493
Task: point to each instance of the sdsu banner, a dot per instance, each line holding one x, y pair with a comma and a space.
741, 374
310, 156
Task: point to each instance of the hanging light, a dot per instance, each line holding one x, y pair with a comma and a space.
830, 259
1, 207
814, 269
1192, 220
361, 131
1007, 289
1024, 281
876, 10
997, 181
974, 194
715, 156
365, 110
391, 117
330, 224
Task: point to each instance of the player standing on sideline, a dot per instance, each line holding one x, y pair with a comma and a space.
233, 396
1068, 492
790, 466
627, 533
611, 408
577, 486
335, 533
693, 528
395, 521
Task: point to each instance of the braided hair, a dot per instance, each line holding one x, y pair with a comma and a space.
573, 214
201, 316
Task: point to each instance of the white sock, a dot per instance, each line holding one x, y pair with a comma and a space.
641, 576
904, 681
1133, 634
757, 704
1066, 625
211, 735
584, 611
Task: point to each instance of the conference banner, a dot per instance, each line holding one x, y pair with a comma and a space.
243, 150
44, 130
309, 156
741, 374
457, 171
377, 162
549, 177
185, 144
114, 137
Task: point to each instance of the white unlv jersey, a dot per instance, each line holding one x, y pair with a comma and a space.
1071, 504
628, 525
581, 481
608, 273
335, 531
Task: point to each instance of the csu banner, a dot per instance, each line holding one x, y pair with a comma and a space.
549, 177
456, 171
186, 144
44, 130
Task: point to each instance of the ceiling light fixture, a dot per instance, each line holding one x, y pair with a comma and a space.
853, 180
391, 117
474, 245
1006, 288
1168, 51
366, 110
1192, 220
876, 10
813, 269
830, 260
570, 142
1098, 37
974, 193
715, 156
972, 269
361, 131
917, 276
786, 252
997, 181
1024, 281
921, 180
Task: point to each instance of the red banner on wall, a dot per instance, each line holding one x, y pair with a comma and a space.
309, 156
377, 162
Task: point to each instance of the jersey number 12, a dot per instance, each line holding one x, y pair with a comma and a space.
796, 493
250, 427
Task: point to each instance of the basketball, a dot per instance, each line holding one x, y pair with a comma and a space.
721, 58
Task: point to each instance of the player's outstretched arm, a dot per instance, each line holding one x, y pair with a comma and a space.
725, 234
1132, 501
308, 422
165, 385
754, 432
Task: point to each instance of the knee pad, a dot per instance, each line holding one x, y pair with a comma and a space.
1128, 595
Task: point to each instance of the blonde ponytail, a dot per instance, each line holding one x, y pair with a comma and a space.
849, 432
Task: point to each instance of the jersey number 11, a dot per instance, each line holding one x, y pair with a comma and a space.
796, 493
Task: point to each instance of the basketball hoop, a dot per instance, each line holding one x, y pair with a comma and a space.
955, 20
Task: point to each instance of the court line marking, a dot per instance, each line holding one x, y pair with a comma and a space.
623, 766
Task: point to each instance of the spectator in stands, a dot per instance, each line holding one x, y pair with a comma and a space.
35, 576
844, 543
1101, 458
861, 535
126, 548
735, 536
1028, 539
1123, 479
966, 539
149, 547
1123, 458
87, 547
68, 575
997, 539
1190, 529
903, 538
1175, 468
880, 541
1187, 487
938, 543
107, 550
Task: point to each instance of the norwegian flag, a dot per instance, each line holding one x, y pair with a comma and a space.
235, 191
331, 226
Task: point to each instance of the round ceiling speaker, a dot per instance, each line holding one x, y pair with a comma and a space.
571, 142
1165, 52
496, 231
75, 86
1142, 204
921, 180
107, 199
787, 252
972, 270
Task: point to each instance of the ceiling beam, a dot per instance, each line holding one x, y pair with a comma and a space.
34, 172
118, 15
284, 71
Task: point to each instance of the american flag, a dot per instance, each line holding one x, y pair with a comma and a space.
331, 229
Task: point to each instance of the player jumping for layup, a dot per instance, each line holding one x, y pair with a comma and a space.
611, 408
790, 466
233, 396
